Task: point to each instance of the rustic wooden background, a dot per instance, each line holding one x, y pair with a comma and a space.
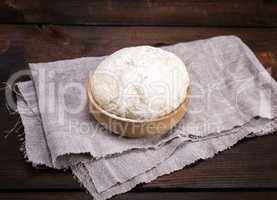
38, 31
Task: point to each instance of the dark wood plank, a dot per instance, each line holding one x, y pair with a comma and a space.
143, 12
250, 164
268, 195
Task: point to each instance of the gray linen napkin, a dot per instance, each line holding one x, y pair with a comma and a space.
232, 99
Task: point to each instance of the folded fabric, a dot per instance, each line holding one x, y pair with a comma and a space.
232, 99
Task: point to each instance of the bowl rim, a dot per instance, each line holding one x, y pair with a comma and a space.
114, 116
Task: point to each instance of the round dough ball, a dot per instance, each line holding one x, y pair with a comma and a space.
140, 82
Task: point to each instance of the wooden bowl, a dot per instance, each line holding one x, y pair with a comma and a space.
137, 128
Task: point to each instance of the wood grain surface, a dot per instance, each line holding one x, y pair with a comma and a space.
42, 31
251, 164
142, 12
268, 195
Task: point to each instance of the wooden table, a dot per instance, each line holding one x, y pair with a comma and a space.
39, 31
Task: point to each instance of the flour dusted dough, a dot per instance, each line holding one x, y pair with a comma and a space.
140, 82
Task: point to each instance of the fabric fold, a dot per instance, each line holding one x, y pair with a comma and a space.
233, 98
